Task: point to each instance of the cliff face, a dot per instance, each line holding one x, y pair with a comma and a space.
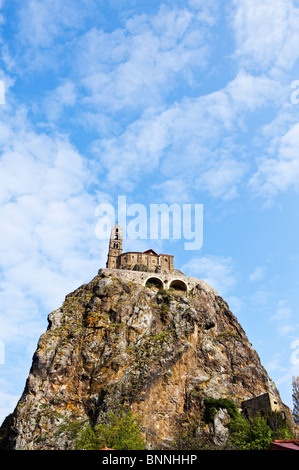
115, 342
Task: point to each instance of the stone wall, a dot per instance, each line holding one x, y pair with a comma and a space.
168, 279
149, 259
260, 404
267, 403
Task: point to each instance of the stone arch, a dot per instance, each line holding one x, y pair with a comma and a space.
154, 281
178, 284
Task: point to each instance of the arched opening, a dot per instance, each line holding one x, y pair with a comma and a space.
154, 282
178, 284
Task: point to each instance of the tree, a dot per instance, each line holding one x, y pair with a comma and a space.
121, 431
295, 396
258, 432
254, 434
278, 426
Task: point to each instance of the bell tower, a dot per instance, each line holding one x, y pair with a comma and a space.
115, 246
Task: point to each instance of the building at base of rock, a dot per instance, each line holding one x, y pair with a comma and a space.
265, 404
140, 261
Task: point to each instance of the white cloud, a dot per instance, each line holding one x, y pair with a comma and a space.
267, 33
283, 312
137, 67
258, 274
8, 402
48, 243
40, 23
236, 305
283, 319
63, 96
217, 271
173, 191
162, 137
223, 179
279, 170
275, 364
195, 128
206, 11
261, 298
1, 17
43, 31
250, 92
286, 330
142, 63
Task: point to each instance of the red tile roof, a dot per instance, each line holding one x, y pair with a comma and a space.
286, 444
151, 252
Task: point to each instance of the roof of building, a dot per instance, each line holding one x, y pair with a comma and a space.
149, 252
152, 252
286, 444
138, 253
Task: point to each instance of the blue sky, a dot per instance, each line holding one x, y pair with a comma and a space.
163, 102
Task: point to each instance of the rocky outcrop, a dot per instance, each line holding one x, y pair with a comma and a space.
159, 352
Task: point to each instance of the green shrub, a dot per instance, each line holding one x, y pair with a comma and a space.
212, 405
278, 426
248, 434
120, 432
258, 432
251, 435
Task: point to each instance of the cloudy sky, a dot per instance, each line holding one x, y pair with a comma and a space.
193, 102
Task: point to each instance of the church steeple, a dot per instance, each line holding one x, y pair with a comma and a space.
115, 246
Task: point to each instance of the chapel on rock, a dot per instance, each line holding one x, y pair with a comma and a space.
148, 260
